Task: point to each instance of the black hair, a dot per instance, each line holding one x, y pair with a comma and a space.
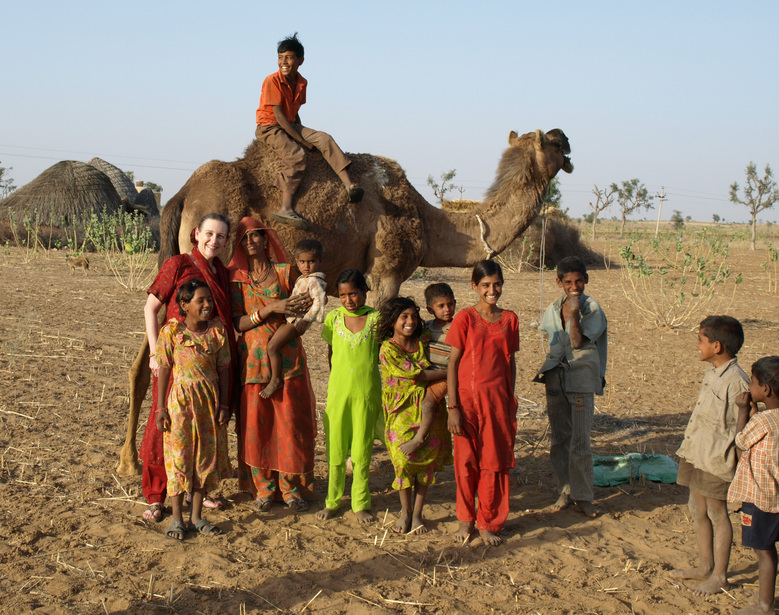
186, 292
484, 269
390, 312
214, 216
291, 43
570, 264
306, 246
766, 371
726, 330
354, 277
435, 291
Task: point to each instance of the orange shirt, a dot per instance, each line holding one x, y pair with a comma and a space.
277, 91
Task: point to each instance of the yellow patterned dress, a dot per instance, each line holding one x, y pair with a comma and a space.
196, 445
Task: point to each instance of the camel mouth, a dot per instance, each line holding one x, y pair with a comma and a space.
567, 165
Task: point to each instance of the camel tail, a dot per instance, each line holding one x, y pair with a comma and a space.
170, 221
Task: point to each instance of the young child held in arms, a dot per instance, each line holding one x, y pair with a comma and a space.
353, 395
278, 125
482, 374
193, 417
573, 373
756, 483
441, 304
404, 372
308, 258
707, 456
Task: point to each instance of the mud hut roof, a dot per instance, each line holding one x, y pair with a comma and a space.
69, 188
146, 202
123, 184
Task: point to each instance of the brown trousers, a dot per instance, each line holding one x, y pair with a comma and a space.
293, 156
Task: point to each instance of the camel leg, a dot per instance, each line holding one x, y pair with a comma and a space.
382, 288
140, 376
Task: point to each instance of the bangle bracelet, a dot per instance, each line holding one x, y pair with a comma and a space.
453, 407
255, 318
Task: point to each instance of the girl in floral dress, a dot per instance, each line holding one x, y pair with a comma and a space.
353, 395
194, 415
405, 373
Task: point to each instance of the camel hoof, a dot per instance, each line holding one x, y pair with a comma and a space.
128, 464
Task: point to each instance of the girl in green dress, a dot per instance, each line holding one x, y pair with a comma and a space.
353, 395
405, 373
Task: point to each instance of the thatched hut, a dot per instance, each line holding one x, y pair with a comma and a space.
123, 184
68, 189
146, 202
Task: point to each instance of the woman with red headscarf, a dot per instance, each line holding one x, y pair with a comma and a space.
275, 435
208, 242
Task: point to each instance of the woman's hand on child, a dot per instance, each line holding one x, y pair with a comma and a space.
154, 366
163, 420
294, 306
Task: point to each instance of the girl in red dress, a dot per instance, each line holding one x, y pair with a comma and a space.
482, 407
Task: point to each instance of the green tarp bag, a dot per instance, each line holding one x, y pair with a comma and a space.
619, 469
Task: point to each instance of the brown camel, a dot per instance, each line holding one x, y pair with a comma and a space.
388, 235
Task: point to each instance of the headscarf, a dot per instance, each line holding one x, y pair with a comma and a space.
274, 249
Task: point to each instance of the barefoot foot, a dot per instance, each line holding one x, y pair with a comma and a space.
326, 513
692, 573
464, 532
713, 585
418, 525
563, 502
588, 508
154, 512
403, 524
364, 517
489, 538
411, 447
271, 388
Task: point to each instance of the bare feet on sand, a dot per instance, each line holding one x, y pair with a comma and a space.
588, 508
464, 532
489, 538
417, 525
363, 516
270, 388
326, 513
563, 502
403, 524
712, 585
412, 446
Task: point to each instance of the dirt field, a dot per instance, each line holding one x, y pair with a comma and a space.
72, 539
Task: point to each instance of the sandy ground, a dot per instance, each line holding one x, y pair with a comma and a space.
72, 539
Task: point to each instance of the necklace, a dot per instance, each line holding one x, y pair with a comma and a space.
259, 280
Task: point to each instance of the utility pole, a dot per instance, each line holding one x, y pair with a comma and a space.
660, 196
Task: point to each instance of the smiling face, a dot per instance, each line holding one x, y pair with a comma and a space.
211, 238
253, 243
200, 308
708, 350
573, 283
352, 298
289, 63
406, 324
489, 288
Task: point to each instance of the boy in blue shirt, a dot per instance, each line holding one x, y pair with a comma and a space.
573, 373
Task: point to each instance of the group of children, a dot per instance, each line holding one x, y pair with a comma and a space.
442, 391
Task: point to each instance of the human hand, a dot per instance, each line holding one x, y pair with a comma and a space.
301, 326
223, 416
573, 300
744, 401
163, 420
455, 422
298, 305
154, 366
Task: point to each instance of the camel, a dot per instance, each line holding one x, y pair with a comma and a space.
387, 236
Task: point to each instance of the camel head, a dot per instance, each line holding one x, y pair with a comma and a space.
551, 149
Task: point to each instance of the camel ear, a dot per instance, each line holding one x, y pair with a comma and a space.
540, 138
513, 137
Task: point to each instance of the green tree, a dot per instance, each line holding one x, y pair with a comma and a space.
759, 194
131, 175
154, 187
631, 196
715, 217
603, 200
440, 190
677, 220
6, 182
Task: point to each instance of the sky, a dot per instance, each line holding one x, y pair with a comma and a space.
679, 94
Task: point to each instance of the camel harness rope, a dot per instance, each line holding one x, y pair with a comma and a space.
490, 252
